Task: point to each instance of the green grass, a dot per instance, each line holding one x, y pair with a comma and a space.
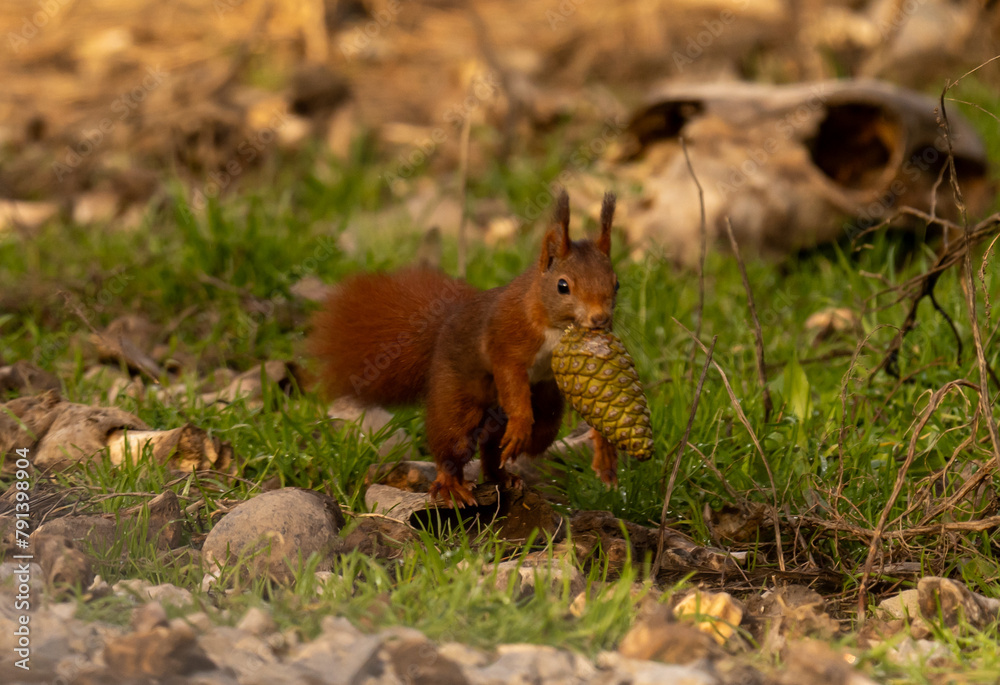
221, 279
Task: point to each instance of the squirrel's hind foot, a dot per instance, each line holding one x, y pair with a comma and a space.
452, 492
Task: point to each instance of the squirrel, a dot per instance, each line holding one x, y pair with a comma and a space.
481, 361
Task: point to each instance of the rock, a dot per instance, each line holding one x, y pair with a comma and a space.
524, 512
25, 214
372, 422
63, 564
812, 661
132, 587
12, 576
951, 602
185, 448
417, 660
60, 644
150, 654
903, 606
169, 594
248, 387
714, 613
463, 655
257, 622
338, 658
214, 678
920, 653
98, 206
86, 532
526, 664
660, 637
413, 476
165, 521
600, 531
237, 650
524, 576
200, 621
145, 591
789, 612
149, 616
338, 627
512, 514
98, 588
398, 505
380, 538
273, 533
79, 432
738, 522
625, 671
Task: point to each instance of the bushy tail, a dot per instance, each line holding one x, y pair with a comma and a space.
374, 337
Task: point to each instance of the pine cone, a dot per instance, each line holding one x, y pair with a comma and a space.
596, 373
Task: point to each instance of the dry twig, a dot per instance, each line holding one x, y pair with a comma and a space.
758, 337
703, 232
753, 436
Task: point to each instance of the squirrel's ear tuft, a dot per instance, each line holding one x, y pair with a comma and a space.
607, 216
556, 243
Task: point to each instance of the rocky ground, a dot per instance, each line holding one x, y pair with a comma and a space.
173, 635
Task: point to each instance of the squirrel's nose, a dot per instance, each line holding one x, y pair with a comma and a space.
599, 321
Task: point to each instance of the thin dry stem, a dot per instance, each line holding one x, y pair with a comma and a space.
753, 436
758, 336
703, 248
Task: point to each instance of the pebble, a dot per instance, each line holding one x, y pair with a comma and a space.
258, 622
272, 533
198, 650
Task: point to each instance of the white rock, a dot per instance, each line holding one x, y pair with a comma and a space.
912, 652
258, 622
232, 648
170, 594
520, 663
463, 655
650, 672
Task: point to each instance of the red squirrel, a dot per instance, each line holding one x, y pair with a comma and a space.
480, 360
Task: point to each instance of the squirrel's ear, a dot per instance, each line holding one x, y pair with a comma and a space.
556, 243
607, 216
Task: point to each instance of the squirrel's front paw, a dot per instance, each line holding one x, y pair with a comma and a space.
516, 439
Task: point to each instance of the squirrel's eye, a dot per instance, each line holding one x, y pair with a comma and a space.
563, 286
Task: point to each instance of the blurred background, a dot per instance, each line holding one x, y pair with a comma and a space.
106, 102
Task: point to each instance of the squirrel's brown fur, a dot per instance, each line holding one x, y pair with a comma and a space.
480, 360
